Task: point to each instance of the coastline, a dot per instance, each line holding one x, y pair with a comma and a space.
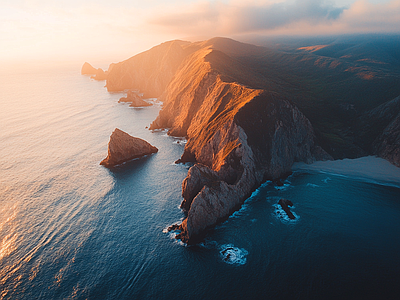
368, 168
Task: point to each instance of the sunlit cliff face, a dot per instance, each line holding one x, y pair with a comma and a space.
74, 30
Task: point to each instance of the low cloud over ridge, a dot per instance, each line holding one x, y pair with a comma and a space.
293, 17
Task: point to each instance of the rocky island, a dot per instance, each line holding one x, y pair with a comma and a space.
96, 74
285, 203
123, 147
250, 112
134, 99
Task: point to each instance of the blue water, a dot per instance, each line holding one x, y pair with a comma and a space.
72, 229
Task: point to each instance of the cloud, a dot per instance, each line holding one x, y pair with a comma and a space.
363, 16
247, 17
284, 17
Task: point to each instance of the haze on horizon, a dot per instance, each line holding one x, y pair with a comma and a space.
36, 30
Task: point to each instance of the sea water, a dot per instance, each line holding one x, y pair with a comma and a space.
72, 229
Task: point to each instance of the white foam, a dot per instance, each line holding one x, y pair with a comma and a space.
233, 255
173, 233
369, 168
281, 215
162, 130
154, 101
326, 180
283, 187
179, 141
242, 211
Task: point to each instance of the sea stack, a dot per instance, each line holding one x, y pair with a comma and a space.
285, 203
88, 69
134, 99
123, 147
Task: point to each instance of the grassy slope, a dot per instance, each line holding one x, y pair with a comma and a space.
333, 85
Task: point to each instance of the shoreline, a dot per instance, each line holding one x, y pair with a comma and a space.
368, 168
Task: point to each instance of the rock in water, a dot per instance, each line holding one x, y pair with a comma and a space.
284, 203
123, 147
88, 69
134, 99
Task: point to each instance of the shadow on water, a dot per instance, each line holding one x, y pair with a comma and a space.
130, 168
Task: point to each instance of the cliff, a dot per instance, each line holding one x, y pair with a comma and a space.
386, 121
387, 145
122, 147
238, 136
150, 71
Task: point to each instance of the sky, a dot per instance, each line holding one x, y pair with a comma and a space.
95, 30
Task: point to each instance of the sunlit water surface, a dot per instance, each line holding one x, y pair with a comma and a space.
72, 229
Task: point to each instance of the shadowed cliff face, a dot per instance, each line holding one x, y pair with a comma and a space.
382, 130
261, 141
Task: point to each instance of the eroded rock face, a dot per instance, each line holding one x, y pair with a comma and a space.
134, 99
198, 176
123, 147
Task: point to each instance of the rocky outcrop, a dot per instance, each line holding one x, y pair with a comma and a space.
97, 74
387, 145
379, 131
239, 156
134, 99
284, 203
122, 147
87, 69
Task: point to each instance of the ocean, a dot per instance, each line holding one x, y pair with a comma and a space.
72, 229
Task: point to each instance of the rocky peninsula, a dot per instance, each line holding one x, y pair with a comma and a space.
248, 114
123, 147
